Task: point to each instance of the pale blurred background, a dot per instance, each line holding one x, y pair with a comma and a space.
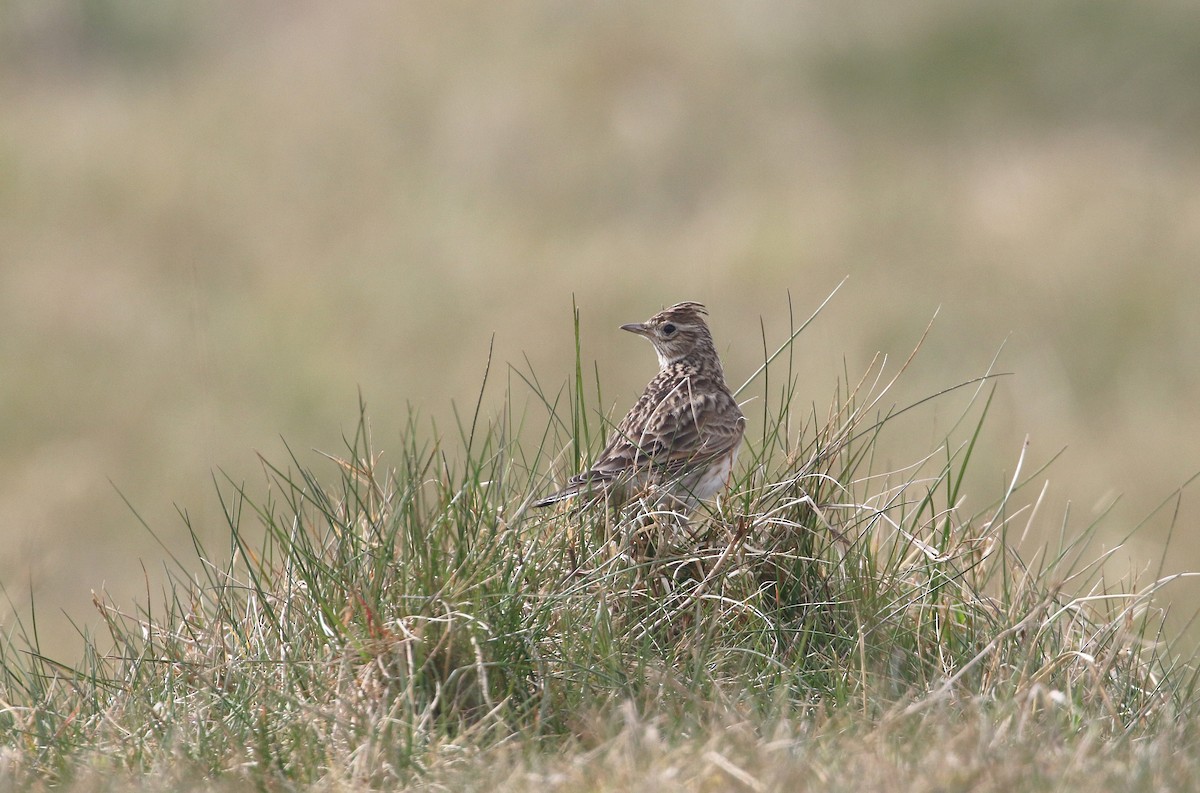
219, 221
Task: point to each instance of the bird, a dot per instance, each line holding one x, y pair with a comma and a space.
679, 442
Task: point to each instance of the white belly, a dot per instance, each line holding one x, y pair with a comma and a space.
716, 477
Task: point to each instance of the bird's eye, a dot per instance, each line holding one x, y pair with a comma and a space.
668, 329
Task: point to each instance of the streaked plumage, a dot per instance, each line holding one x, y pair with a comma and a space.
681, 439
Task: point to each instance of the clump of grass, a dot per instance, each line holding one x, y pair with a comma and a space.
379, 624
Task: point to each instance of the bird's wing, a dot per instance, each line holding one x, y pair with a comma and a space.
668, 430
672, 430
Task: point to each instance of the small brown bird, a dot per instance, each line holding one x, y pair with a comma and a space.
680, 441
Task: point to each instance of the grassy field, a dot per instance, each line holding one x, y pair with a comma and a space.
831, 623
227, 223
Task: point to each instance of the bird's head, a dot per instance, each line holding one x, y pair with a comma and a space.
676, 332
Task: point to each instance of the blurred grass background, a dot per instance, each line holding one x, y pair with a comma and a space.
218, 221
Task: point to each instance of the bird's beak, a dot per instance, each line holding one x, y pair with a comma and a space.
636, 327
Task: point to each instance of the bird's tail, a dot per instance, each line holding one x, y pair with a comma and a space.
574, 487
592, 482
554, 498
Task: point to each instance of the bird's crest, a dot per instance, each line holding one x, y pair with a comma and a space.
682, 312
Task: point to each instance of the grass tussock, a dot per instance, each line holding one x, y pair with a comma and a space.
829, 623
